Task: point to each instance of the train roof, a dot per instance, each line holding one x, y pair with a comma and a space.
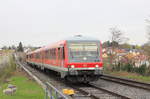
69, 39
81, 38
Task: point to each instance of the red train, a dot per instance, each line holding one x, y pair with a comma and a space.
77, 58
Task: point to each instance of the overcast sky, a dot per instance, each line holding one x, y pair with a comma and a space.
40, 22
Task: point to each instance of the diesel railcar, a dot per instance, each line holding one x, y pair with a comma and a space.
77, 59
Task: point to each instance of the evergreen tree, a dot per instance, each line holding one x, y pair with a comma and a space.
20, 47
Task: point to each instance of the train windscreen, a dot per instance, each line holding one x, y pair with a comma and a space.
84, 52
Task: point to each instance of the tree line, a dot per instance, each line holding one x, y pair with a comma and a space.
118, 40
19, 48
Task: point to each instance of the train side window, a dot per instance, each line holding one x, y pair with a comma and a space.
54, 53
37, 55
50, 54
47, 54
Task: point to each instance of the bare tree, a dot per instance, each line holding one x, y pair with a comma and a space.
116, 38
146, 46
148, 34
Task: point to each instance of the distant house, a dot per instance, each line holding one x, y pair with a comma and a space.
26, 50
1, 53
105, 55
136, 58
141, 60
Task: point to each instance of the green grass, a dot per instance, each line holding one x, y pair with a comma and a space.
133, 76
139, 78
26, 89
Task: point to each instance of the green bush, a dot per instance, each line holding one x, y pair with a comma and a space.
142, 70
148, 71
9, 67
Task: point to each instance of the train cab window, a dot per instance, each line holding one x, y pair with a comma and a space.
84, 52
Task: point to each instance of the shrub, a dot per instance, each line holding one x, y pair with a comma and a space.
9, 67
142, 70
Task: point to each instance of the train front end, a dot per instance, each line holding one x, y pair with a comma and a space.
84, 60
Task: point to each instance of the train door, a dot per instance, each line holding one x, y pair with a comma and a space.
42, 55
61, 56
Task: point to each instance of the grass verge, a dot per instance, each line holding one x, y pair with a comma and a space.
133, 76
26, 88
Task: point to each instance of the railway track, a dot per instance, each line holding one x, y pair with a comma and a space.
132, 83
95, 92
82, 91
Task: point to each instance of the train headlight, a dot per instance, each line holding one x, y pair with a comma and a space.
96, 66
72, 66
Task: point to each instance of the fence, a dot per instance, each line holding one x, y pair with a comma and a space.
53, 93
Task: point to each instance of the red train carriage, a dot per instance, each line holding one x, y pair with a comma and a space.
76, 59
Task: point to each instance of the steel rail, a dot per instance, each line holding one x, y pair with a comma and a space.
110, 92
87, 94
